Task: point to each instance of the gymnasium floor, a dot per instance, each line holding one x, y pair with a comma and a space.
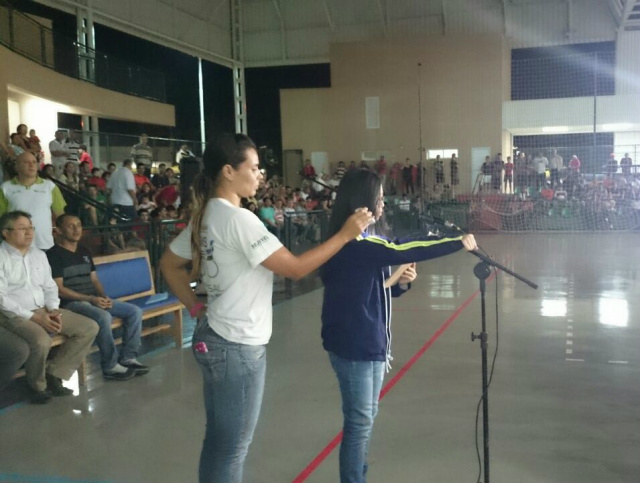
564, 402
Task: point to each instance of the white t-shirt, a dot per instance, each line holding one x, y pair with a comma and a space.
56, 145
239, 289
35, 200
120, 183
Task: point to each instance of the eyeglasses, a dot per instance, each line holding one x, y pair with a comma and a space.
24, 229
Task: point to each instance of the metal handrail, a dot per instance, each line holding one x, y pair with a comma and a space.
103, 69
111, 211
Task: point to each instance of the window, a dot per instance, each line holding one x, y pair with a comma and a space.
443, 153
372, 114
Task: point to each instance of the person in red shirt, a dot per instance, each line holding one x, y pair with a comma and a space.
96, 180
140, 177
309, 171
168, 195
508, 175
84, 156
310, 204
395, 175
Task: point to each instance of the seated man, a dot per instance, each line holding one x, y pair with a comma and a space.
81, 292
29, 309
14, 352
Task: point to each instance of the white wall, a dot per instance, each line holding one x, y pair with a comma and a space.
628, 62
530, 117
627, 142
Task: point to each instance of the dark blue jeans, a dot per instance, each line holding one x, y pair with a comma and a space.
360, 385
131, 316
233, 376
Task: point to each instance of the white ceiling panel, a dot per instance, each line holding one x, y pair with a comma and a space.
413, 26
259, 16
303, 14
308, 43
262, 46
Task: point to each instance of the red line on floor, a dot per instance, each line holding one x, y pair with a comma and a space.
326, 451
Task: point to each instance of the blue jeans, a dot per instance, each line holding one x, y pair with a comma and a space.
360, 385
131, 316
233, 377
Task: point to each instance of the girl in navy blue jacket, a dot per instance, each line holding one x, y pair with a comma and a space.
356, 310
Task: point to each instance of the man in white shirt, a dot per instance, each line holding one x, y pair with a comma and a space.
540, 163
183, 152
123, 190
59, 152
29, 308
39, 197
555, 164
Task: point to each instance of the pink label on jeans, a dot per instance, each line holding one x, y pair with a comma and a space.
201, 347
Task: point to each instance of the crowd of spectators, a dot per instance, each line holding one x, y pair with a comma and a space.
143, 195
299, 213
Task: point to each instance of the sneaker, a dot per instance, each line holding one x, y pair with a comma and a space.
119, 373
55, 387
140, 369
39, 397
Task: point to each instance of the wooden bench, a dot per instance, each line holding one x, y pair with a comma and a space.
128, 277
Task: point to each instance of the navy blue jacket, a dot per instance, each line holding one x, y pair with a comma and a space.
356, 310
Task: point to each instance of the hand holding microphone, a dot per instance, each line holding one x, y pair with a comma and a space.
469, 243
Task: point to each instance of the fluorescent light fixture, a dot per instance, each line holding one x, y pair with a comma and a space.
554, 129
620, 126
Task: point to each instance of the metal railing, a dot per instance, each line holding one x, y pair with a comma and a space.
25, 36
107, 148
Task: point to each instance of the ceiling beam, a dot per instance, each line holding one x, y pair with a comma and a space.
215, 9
145, 33
626, 11
383, 15
283, 32
444, 19
328, 12
615, 12
504, 18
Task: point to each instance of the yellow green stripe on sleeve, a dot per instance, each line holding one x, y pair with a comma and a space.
406, 246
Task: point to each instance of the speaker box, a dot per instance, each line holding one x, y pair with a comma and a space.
189, 169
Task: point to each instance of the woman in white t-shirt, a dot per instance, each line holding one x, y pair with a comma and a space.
235, 256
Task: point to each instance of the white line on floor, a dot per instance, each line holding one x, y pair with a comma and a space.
569, 342
568, 359
569, 351
618, 362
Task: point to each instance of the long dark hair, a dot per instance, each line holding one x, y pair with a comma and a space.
359, 188
224, 149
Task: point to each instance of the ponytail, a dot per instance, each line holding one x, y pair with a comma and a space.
225, 149
203, 190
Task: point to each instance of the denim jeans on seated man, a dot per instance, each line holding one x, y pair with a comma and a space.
131, 316
234, 376
360, 384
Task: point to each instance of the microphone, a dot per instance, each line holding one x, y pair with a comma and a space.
453, 226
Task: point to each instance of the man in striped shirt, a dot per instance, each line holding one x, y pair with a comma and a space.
142, 153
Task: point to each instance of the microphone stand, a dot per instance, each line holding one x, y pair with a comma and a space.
482, 271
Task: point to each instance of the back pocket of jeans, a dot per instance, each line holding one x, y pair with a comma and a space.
213, 363
252, 355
